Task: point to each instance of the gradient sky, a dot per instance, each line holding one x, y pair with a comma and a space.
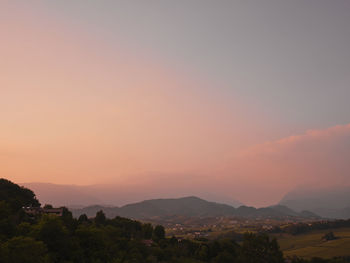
248, 99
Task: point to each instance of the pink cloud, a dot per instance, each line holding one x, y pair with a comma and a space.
316, 158
297, 140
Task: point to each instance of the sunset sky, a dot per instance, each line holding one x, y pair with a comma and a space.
245, 99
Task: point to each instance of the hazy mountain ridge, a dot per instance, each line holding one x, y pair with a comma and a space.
330, 203
111, 195
188, 206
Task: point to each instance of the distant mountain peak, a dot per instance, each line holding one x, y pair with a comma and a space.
113, 195
189, 206
192, 197
332, 202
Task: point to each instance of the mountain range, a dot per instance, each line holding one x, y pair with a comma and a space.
333, 202
190, 207
112, 195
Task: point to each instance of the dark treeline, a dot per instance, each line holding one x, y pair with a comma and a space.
319, 260
301, 228
62, 239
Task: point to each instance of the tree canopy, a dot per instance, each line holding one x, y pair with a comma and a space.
16, 196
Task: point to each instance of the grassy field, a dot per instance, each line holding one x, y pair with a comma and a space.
311, 244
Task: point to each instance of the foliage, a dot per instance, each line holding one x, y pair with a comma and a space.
313, 244
100, 218
302, 228
320, 260
15, 196
259, 248
329, 236
159, 232
23, 250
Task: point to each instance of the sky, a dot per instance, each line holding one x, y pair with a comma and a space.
246, 99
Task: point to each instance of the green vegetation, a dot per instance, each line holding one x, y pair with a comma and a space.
302, 228
314, 244
16, 196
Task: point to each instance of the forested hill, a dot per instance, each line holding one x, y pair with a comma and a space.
16, 196
189, 206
